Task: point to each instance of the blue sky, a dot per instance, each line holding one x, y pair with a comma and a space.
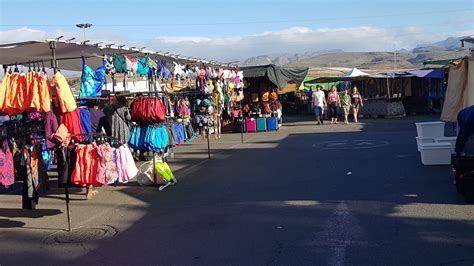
253, 27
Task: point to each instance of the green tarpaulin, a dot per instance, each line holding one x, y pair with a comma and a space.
440, 62
279, 76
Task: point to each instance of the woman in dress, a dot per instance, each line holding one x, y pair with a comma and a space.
346, 105
356, 102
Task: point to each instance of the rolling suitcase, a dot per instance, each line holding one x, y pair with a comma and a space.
272, 123
261, 124
251, 124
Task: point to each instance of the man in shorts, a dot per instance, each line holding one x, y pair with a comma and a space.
318, 103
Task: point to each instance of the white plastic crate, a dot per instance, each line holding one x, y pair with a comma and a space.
421, 140
451, 140
438, 153
430, 129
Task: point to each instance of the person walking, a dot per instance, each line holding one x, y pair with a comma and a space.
333, 102
346, 105
356, 102
318, 99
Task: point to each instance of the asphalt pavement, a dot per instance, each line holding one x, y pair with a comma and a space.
306, 195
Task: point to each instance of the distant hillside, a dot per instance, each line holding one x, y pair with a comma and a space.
284, 58
380, 60
447, 49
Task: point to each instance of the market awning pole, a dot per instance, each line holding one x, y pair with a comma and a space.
241, 123
208, 143
54, 65
154, 169
388, 90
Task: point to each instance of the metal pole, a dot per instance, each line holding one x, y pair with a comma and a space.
241, 123
66, 191
208, 143
52, 46
154, 170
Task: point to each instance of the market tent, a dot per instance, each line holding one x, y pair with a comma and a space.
326, 85
355, 72
442, 62
290, 87
353, 75
69, 54
279, 76
460, 91
421, 73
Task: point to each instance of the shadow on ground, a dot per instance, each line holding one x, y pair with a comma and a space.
300, 196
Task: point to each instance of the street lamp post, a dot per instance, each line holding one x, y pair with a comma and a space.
84, 26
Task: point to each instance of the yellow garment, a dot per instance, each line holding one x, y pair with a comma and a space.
164, 170
4, 87
33, 97
45, 93
64, 94
16, 99
11, 93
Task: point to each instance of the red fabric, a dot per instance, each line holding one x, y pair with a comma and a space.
85, 171
148, 110
72, 121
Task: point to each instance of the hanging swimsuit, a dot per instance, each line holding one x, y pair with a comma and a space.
92, 82
142, 66
7, 175
120, 63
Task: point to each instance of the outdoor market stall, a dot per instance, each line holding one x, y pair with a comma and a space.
263, 84
460, 91
390, 94
89, 133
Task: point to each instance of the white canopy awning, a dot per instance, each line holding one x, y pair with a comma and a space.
355, 72
69, 54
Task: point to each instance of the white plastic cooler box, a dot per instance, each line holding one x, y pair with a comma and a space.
430, 129
437, 153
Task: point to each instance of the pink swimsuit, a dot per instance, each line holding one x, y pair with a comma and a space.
7, 175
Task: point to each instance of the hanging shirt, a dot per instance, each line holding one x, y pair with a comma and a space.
92, 82
97, 119
72, 121
85, 122
4, 87
50, 126
64, 94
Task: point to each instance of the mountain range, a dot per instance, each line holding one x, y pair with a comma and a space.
446, 49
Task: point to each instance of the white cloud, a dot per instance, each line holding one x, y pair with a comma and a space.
289, 40
28, 34
301, 39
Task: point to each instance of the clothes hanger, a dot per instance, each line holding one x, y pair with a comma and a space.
16, 68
